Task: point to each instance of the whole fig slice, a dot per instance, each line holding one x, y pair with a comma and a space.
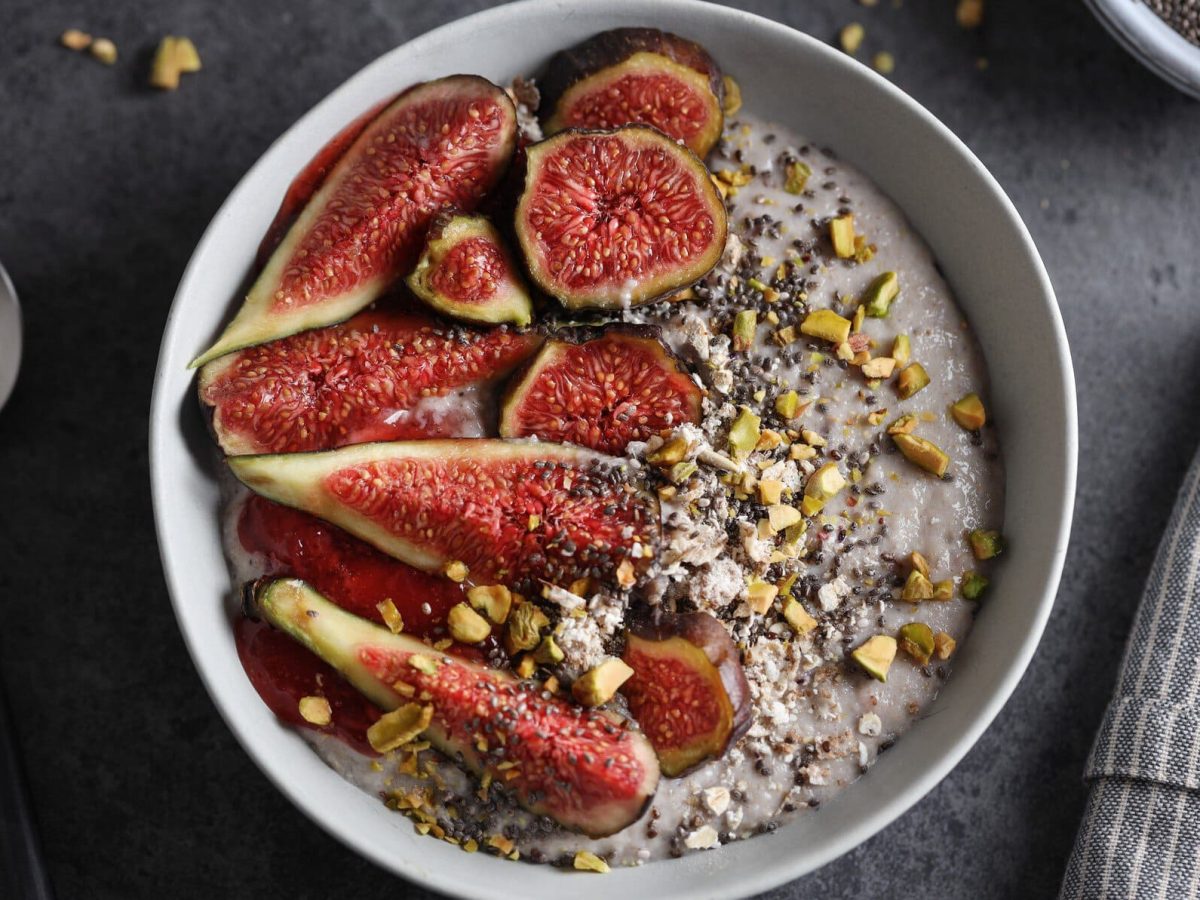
688, 691
442, 143
632, 76
602, 393
615, 219
586, 769
376, 377
512, 512
466, 272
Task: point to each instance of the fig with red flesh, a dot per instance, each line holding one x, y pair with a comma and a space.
688, 691
440, 144
622, 386
616, 219
310, 179
513, 512
466, 272
632, 76
363, 380
586, 769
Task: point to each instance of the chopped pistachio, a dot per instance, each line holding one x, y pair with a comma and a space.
841, 234
733, 96
797, 616
787, 405
584, 860
879, 367
917, 587
785, 335
756, 284
316, 711
875, 655
525, 624
973, 585
780, 515
744, 325
823, 485
768, 440
548, 653
769, 491
744, 432
422, 663
797, 177
526, 666
74, 39
926, 454
827, 325
851, 37
466, 625
943, 645
760, 594
456, 570
880, 293
802, 451
863, 252
876, 417
669, 453
906, 424
597, 685
943, 590
901, 349
916, 639
626, 574
682, 471
812, 438
919, 562
104, 50
493, 600
856, 321
969, 412
912, 379
845, 351
398, 727
986, 544
165, 70
390, 615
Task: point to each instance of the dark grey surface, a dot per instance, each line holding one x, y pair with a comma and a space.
105, 188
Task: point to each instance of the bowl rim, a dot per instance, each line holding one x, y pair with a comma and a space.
163, 424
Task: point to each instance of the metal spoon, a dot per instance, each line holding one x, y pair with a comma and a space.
22, 871
10, 336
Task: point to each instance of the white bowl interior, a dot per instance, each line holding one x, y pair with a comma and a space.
987, 256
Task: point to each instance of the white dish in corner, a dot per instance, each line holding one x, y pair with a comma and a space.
989, 260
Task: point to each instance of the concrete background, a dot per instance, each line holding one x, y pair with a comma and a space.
105, 187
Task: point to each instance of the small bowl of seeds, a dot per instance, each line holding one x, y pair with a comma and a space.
1164, 35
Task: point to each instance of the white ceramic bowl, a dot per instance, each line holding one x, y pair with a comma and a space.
1154, 43
989, 260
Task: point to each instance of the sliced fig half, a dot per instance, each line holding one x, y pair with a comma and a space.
616, 219
622, 386
512, 512
466, 272
442, 143
586, 769
688, 691
376, 377
637, 76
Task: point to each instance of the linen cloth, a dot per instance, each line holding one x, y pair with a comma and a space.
1140, 835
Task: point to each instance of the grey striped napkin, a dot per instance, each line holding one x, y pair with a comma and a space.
1140, 836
